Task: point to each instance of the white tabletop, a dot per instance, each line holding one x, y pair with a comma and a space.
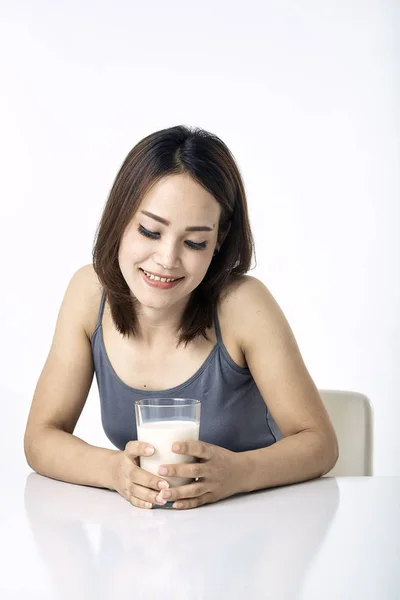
327, 538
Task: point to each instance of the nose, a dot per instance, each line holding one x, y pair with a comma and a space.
167, 255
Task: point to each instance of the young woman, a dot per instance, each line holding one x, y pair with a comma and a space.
166, 309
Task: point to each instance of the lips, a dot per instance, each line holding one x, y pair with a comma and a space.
157, 283
161, 276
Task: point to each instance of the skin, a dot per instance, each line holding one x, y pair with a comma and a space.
184, 203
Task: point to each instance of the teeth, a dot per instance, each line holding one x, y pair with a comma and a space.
156, 278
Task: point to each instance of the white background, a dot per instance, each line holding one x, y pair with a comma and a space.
306, 96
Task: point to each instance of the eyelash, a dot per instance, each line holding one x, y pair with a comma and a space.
155, 236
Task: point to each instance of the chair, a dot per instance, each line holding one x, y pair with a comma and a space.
351, 414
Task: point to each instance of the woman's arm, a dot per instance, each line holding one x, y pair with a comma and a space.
309, 447
60, 455
298, 457
61, 392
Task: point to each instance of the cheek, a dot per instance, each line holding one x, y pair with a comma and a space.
200, 264
127, 257
131, 249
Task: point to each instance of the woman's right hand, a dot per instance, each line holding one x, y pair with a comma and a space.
139, 487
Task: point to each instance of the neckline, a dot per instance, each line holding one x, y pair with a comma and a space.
167, 391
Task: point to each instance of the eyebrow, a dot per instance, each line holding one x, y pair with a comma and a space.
165, 222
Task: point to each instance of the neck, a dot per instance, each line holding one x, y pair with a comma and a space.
159, 326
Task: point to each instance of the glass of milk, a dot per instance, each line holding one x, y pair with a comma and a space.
161, 422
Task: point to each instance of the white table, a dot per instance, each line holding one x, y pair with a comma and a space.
324, 539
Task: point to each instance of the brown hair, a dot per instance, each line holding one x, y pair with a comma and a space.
209, 162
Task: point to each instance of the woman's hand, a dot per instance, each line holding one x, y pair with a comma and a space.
219, 473
134, 484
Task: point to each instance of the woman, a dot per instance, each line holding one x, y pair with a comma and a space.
167, 310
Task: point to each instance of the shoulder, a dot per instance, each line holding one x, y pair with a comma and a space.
245, 292
250, 307
85, 290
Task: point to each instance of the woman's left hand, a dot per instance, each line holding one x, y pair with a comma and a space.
219, 472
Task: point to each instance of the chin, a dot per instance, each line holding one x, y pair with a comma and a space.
153, 298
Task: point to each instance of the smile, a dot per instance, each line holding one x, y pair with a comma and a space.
156, 281
157, 278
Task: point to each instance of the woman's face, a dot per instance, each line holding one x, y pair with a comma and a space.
172, 235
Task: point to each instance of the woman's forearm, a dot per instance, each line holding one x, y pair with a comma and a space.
63, 456
300, 457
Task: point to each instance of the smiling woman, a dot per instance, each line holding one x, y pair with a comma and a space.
179, 247
167, 310
188, 186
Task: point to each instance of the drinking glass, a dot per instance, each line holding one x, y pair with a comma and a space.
163, 421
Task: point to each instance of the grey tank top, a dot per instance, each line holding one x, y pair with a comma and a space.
233, 412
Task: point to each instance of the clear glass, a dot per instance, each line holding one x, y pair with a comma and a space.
163, 421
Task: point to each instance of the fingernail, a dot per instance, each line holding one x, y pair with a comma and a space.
176, 447
163, 484
162, 471
166, 494
160, 500
149, 450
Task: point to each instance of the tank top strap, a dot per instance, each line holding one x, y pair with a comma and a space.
217, 327
101, 308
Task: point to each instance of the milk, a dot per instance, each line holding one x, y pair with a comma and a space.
161, 435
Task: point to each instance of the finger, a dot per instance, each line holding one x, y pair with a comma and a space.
135, 448
139, 503
191, 490
194, 448
192, 470
148, 480
193, 502
144, 494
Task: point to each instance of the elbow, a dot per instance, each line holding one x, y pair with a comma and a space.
28, 451
32, 449
330, 454
326, 452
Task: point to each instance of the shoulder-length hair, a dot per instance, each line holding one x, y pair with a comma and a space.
209, 162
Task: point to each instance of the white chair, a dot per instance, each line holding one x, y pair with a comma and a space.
351, 414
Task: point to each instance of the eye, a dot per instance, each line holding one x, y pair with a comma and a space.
150, 234
155, 236
195, 245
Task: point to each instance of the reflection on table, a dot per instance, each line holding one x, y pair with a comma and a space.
264, 540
